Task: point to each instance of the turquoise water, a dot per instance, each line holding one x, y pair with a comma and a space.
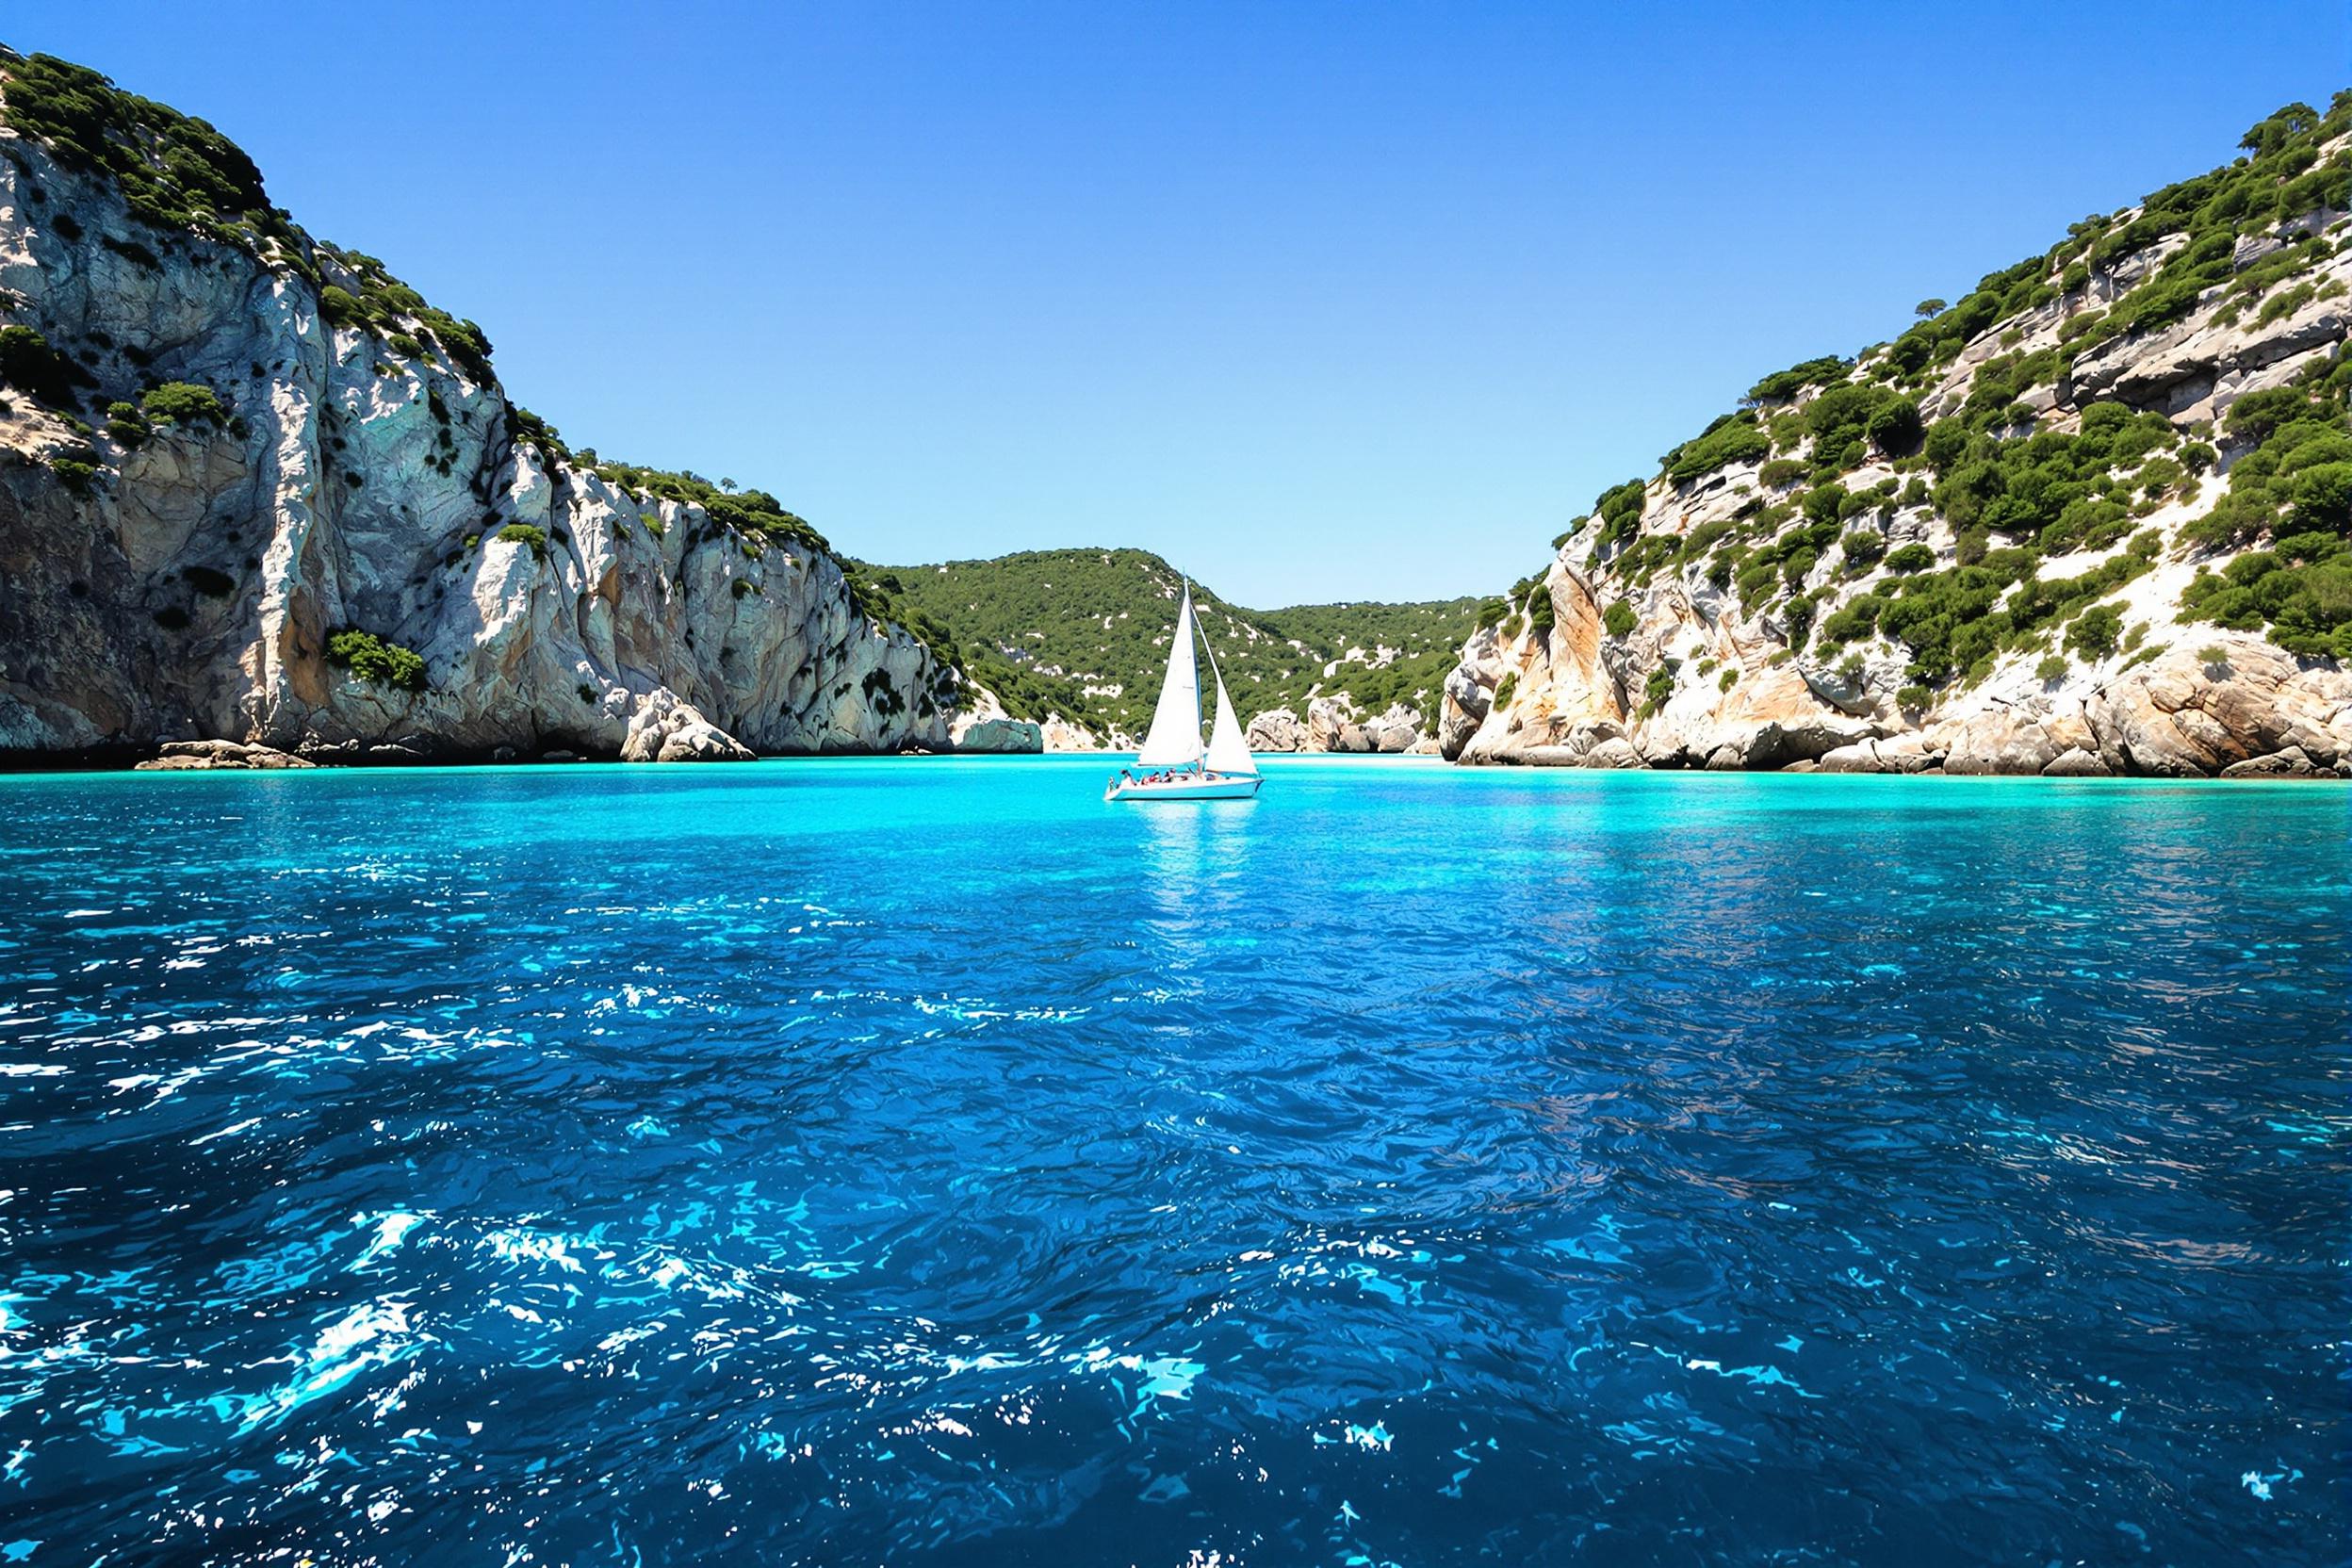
923, 1162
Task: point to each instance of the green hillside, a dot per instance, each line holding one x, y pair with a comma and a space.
1059, 629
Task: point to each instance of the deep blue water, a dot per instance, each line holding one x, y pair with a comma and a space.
921, 1162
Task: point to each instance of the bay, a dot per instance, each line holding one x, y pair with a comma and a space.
922, 1161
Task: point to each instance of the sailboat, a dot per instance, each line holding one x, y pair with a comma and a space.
1172, 764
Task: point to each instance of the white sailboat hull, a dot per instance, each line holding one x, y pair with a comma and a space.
1193, 786
1171, 760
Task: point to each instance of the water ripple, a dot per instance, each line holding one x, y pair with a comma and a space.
916, 1162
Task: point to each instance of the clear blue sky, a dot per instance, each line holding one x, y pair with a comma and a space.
1320, 301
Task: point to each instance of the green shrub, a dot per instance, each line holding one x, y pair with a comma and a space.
1540, 615
1734, 438
2255, 416
175, 172
1946, 443
2050, 669
1862, 548
1780, 472
1654, 690
75, 473
2081, 324
1620, 511
2094, 633
1798, 614
370, 657
1619, 618
2322, 497
29, 363
212, 584
1914, 699
1910, 558
1505, 689
1856, 618
526, 533
127, 425
1783, 384
1895, 427
181, 403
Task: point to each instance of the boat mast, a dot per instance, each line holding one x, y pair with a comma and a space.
1200, 761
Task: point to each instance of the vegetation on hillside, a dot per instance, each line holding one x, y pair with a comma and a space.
1085, 633
1832, 461
188, 185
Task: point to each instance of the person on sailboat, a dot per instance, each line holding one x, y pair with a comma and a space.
1176, 766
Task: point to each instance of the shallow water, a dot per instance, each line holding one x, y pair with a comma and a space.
923, 1162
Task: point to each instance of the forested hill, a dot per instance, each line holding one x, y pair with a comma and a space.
1084, 632
2096, 516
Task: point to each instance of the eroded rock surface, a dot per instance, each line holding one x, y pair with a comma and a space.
368, 477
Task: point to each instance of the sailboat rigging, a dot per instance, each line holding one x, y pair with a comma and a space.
1172, 764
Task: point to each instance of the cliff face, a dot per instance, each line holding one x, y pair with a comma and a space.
225, 513
2093, 520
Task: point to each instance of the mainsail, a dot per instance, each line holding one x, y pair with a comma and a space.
1227, 751
1174, 741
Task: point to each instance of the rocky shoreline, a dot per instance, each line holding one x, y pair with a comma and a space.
2031, 536
255, 490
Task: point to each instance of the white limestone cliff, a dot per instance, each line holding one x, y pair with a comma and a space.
1689, 676
361, 483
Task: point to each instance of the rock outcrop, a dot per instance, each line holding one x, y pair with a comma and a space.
1060, 734
2040, 533
1001, 736
1331, 725
189, 756
245, 477
1277, 729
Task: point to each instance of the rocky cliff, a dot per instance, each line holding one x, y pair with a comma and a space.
253, 488
2093, 518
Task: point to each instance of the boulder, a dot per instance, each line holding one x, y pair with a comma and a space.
1615, 752
2289, 763
187, 756
1998, 743
1277, 729
2075, 763
1397, 730
667, 729
1775, 743
1060, 734
1001, 736
2184, 716
1469, 692
1331, 726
